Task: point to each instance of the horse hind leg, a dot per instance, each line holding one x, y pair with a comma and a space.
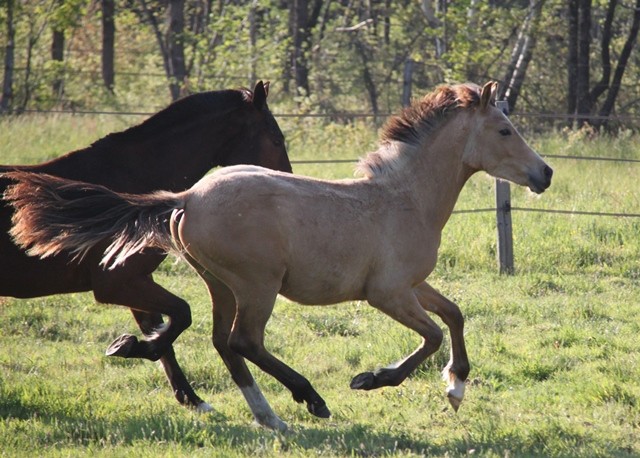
149, 323
457, 370
247, 339
141, 293
407, 311
224, 310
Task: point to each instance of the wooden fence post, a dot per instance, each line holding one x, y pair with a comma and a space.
503, 217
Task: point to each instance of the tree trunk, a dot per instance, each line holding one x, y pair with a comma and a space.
583, 97
214, 39
108, 43
302, 20
9, 62
367, 77
253, 39
175, 47
57, 54
387, 22
522, 54
605, 55
298, 22
572, 57
607, 106
171, 43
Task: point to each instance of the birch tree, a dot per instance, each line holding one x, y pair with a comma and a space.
522, 54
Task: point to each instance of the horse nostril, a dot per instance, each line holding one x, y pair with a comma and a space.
548, 172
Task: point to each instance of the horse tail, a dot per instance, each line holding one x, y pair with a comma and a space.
54, 214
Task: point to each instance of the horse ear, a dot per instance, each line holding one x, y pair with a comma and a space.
488, 94
260, 95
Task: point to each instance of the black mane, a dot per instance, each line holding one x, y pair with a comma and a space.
180, 111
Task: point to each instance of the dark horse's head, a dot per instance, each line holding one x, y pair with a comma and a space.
260, 141
206, 130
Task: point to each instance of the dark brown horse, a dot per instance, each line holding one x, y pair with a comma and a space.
171, 151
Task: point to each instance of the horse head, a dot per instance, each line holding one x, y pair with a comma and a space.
260, 140
495, 146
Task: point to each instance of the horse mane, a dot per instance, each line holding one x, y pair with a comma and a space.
203, 103
408, 129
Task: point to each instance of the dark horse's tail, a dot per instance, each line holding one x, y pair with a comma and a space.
54, 214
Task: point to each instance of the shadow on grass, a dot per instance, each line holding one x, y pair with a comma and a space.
29, 427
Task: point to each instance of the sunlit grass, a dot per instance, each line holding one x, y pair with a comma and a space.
554, 349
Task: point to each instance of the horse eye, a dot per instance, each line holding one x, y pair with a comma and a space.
505, 132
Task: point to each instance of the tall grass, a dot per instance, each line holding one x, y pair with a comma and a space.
554, 349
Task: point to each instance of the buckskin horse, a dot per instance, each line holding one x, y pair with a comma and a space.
252, 234
170, 150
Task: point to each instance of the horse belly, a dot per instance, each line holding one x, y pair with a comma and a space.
25, 277
315, 282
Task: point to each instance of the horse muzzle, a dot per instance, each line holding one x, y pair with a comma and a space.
540, 181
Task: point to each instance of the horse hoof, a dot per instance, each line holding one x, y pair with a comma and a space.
274, 424
455, 393
364, 381
455, 402
321, 411
204, 407
122, 346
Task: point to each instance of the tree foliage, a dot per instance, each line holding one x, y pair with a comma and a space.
575, 57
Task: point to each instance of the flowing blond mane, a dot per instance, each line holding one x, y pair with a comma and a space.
408, 129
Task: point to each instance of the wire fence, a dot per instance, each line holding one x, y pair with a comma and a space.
514, 208
332, 115
382, 115
503, 206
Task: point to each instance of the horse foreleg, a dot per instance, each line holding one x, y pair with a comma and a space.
149, 323
247, 339
457, 370
406, 310
224, 310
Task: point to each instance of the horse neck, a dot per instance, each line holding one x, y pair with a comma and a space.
172, 160
436, 175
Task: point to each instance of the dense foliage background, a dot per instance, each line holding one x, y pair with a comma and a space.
323, 56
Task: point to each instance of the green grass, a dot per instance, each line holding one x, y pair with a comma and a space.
554, 349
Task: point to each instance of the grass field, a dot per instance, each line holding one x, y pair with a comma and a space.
554, 349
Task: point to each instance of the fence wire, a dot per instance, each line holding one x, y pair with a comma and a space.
548, 210
511, 208
344, 161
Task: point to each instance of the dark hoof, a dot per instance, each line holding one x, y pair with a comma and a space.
364, 381
319, 410
123, 346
